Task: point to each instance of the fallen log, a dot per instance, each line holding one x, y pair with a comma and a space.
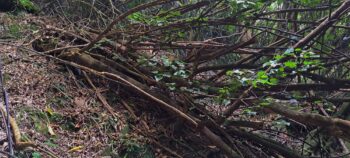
333, 126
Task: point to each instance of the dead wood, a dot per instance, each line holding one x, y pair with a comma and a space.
334, 126
87, 63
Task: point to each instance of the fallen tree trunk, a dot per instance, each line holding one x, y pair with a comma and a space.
334, 126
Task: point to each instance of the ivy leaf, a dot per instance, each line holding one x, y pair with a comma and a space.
229, 73
290, 64
278, 57
36, 155
180, 63
171, 86
265, 81
137, 16
255, 84
244, 80
249, 112
181, 73
289, 51
166, 74
173, 67
238, 72
166, 61
267, 64
158, 77
181, 34
282, 123
308, 62
224, 91
273, 81
281, 69
297, 50
226, 102
262, 75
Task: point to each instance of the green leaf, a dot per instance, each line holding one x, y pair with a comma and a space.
267, 64
255, 84
290, 64
262, 75
166, 74
181, 64
278, 57
158, 77
166, 61
28, 5
265, 81
281, 69
282, 123
307, 62
229, 73
181, 73
265, 102
245, 80
238, 72
224, 91
174, 67
297, 50
249, 112
137, 16
226, 102
171, 86
230, 28
273, 81
289, 51
181, 34
36, 155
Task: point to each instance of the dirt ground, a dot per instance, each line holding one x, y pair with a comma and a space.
52, 107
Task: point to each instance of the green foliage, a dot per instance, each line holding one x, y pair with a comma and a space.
236, 6
139, 17
265, 102
36, 155
280, 123
310, 3
170, 69
249, 111
40, 120
28, 5
291, 62
237, 79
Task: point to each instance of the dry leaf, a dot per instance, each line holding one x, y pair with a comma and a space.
79, 101
50, 130
76, 148
49, 110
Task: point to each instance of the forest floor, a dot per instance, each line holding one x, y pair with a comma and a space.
53, 107
174, 79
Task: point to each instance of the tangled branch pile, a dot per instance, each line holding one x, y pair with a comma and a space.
234, 78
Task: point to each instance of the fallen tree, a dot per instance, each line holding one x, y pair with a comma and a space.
205, 79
